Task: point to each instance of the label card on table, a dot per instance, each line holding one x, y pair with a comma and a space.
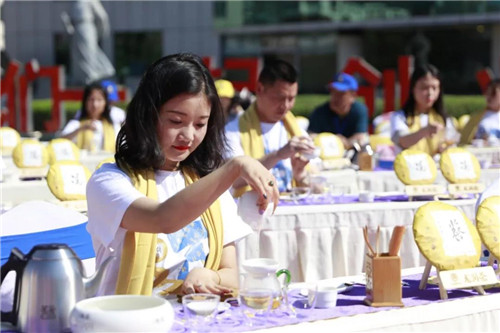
454, 233
32, 155
63, 151
74, 179
418, 166
468, 277
465, 188
462, 165
9, 138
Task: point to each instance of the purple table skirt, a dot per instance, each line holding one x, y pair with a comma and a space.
316, 199
343, 199
348, 304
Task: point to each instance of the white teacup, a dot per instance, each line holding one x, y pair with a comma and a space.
323, 296
366, 196
312, 155
248, 210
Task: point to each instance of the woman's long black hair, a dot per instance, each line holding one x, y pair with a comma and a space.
418, 73
86, 94
138, 145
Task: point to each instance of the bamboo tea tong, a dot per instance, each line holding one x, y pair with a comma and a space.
394, 244
367, 241
396, 239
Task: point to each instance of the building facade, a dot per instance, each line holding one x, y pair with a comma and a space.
459, 37
141, 32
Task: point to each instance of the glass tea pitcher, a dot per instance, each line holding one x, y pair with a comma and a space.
264, 273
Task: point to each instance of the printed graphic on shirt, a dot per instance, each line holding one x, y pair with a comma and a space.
189, 245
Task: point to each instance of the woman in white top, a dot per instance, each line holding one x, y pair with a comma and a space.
423, 124
163, 209
94, 129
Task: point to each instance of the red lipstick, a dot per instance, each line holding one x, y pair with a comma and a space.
181, 147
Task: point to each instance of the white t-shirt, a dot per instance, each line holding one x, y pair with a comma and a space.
400, 128
489, 125
117, 116
275, 136
110, 192
382, 124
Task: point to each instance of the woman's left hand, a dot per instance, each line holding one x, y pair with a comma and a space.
203, 280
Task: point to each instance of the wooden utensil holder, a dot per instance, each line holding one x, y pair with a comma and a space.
383, 280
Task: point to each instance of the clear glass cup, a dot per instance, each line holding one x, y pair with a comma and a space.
336, 192
200, 310
255, 305
307, 300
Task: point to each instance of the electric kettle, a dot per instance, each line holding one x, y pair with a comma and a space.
49, 282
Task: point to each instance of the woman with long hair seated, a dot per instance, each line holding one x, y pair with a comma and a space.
422, 123
163, 209
94, 130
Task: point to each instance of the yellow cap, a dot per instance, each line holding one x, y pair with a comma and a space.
224, 88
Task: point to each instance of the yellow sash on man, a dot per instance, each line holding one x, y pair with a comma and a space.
251, 136
84, 139
428, 145
137, 265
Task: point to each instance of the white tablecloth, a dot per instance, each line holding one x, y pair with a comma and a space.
386, 181
16, 192
323, 241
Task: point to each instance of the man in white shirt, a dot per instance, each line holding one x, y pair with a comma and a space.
269, 122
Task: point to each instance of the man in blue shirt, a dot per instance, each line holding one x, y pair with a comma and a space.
342, 115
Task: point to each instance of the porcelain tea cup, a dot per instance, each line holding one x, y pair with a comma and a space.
249, 211
366, 196
323, 295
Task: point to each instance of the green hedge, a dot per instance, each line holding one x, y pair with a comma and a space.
456, 105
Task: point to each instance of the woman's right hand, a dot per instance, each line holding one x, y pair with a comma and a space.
432, 129
260, 179
297, 144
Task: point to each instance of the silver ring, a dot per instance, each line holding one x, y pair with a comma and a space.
270, 183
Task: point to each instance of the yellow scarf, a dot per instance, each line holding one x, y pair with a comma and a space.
84, 139
251, 136
137, 265
428, 145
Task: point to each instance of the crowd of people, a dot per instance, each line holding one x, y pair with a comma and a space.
187, 146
